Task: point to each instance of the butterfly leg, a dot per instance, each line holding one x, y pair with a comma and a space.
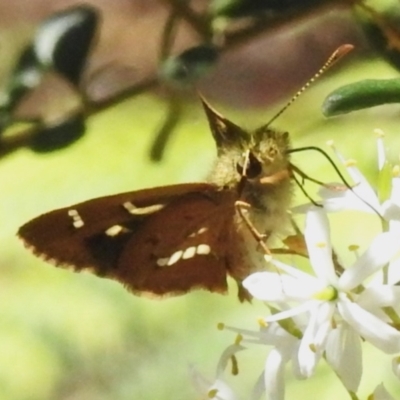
241, 207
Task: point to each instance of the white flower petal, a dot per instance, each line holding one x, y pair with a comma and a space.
308, 360
258, 388
292, 271
291, 312
222, 391
273, 334
266, 286
272, 286
396, 366
219, 389
374, 298
395, 195
274, 375
381, 153
343, 353
314, 336
325, 313
390, 211
362, 197
394, 226
296, 369
317, 226
394, 271
365, 191
356, 174
318, 241
380, 393
226, 357
200, 382
371, 328
339, 200
381, 250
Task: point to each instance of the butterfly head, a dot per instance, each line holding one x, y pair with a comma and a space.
269, 148
258, 157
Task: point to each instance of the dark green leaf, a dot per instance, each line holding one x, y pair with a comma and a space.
25, 76
364, 94
190, 65
59, 135
381, 31
63, 41
244, 8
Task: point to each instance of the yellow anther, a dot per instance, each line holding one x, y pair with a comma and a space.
268, 258
238, 339
262, 322
235, 366
313, 348
220, 326
354, 247
212, 393
321, 245
350, 163
379, 132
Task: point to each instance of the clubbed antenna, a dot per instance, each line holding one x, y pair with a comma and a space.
336, 56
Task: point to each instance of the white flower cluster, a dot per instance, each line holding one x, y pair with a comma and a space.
330, 313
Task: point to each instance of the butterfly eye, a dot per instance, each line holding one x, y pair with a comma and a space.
253, 167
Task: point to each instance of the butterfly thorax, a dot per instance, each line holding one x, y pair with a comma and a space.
265, 186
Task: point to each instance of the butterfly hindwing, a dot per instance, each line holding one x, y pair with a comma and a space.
185, 246
156, 240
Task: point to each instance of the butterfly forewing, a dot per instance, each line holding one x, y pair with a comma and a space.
164, 240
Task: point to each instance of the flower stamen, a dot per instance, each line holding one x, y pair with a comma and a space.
262, 322
350, 163
327, 294
220, 326
238, 339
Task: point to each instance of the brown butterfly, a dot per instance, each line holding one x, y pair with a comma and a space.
172, 239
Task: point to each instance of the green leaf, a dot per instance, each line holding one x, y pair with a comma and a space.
364, 94
189, 66
59, 135
64, 40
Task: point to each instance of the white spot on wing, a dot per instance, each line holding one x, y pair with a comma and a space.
199, 232
175, 257
134, 210
77, 221
162, 262
203, 249
189, 253
114, 230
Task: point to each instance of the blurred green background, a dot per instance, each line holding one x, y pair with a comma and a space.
66, 336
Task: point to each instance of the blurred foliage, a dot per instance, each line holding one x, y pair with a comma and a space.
77, 337
189, 66
61, 43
